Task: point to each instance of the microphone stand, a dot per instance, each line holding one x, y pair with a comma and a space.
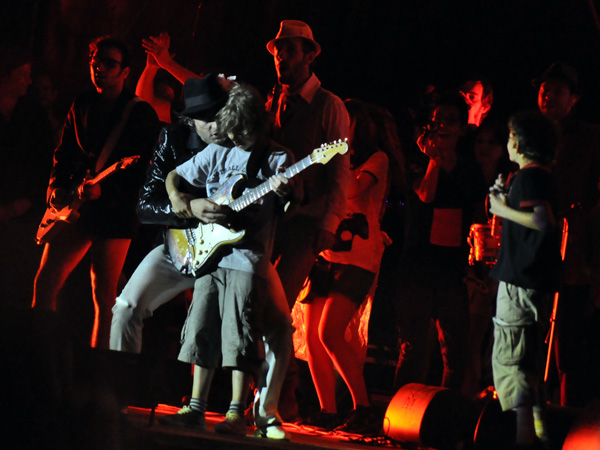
550, 335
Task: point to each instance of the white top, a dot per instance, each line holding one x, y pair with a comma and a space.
365, 253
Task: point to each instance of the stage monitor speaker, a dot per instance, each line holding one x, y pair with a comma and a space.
585, 431
429, 415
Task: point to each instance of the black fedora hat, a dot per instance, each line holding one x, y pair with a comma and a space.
203, 96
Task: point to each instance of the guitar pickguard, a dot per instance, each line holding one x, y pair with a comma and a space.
195, 246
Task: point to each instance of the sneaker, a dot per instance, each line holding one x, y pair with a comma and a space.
185, 417
362, 420
234, 423
272, 431
323, 419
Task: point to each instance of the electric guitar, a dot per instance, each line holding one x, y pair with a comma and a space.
53, 219
192, 249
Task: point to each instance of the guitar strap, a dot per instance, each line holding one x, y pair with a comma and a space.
257, 158
115, 134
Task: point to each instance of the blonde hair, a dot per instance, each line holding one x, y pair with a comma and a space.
244, 113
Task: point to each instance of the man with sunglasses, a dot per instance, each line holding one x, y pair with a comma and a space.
104, 126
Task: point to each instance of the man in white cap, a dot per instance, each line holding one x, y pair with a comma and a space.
306, 115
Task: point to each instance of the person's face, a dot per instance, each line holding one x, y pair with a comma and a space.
207, 131
486, 148
291, 63
474, 95
242, 142
106, 70
449, 128
20, 79
555, 99
512, 147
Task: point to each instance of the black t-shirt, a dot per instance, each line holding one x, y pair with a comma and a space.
425, 258
529, 258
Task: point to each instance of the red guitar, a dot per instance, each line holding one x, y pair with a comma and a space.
54, 218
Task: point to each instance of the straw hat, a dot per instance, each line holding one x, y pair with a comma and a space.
293, 29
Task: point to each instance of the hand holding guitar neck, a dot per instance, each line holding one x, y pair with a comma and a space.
87, 191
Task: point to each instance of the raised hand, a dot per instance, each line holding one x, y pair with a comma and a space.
157, 48
428, 142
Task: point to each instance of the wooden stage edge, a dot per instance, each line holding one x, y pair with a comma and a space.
143, 432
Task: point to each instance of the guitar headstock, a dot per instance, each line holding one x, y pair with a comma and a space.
127, 161
325, 152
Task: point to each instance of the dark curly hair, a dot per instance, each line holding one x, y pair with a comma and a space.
536, 136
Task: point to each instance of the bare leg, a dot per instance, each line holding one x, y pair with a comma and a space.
59, 259
319, 362
201, 382
278, 349
337, 313
525, 425
240, 386
108, 257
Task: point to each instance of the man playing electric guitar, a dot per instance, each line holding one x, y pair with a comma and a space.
54, 217
102, 127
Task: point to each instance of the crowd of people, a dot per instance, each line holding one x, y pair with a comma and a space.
485, 202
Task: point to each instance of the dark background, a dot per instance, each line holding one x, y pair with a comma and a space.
380, 51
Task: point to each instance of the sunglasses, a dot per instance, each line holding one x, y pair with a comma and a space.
109, 63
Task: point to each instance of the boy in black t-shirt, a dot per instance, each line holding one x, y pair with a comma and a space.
528, 271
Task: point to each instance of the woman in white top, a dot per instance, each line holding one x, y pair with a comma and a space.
341, 279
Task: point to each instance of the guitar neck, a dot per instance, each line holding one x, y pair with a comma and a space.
102, 175
121, 164
264, 188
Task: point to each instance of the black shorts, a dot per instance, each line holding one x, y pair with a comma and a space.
351, 281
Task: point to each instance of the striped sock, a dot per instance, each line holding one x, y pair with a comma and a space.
198, 405
237, 408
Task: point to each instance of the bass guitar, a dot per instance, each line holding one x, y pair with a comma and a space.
54, 219
192, 249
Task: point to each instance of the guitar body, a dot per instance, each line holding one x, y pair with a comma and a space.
54, 221
191, 248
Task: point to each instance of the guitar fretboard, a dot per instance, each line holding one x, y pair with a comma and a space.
264, 188
121, 164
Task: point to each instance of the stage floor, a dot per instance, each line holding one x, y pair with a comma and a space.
144, 432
